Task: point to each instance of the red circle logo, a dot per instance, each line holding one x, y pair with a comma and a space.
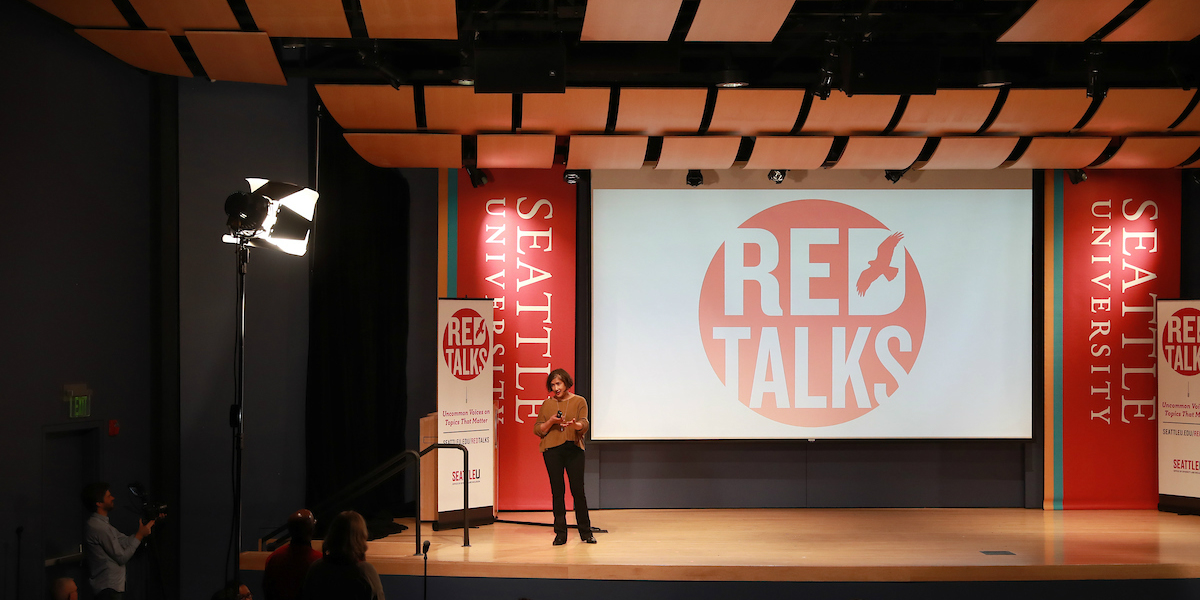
812, 313
466, 344
1181, 341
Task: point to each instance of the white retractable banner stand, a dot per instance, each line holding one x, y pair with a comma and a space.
465, 413
1179, 405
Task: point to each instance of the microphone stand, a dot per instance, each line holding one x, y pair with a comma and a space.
425, 576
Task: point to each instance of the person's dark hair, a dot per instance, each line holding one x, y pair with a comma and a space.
346, 539
300, 526
93, 494
561, 374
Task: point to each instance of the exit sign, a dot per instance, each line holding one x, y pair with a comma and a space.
79, 400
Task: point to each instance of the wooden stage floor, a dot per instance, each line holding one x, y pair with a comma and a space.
832, 545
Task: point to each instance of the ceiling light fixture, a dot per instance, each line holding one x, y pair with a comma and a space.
894, 175
777, 175
732, 78
478, 176
993, 78
1095, 82
572, 176
694, 177
1076, 176
828, 68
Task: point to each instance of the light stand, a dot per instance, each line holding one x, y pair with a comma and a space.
273, 215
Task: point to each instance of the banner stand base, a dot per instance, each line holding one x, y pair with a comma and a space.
453, 519
1183, 505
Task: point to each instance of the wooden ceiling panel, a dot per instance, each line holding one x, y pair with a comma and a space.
411, 19
148, 49
751, 112
515, 151
789, 152
607, 151
880, 153
1126, 111
842, 115
245, 56
461, 110
300, 18
1041, 111
1160, 21
1061, 153
731, 21
408, 150
655, 111
1063, 20
370, 106
175, 16
84, 13
1152, 153
707, 152
578, 110
970, 153
629, 20
947, 111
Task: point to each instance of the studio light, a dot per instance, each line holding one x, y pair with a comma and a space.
272, 215
894, 175
829, 67
777, 175
694, 178
478, 176
572, 176
1076, 176
373, 60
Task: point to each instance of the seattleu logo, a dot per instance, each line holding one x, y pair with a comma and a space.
812, 313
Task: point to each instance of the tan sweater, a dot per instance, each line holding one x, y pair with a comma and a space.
574, 407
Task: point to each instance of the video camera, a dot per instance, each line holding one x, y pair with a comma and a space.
150, 509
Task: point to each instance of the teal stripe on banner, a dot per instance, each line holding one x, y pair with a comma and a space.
1058, 339
452, 233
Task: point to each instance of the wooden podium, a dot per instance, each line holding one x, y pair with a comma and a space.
429, 464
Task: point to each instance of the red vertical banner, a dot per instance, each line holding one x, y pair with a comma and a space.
1120, 251
516, 245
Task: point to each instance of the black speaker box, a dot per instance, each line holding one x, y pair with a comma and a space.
521, 68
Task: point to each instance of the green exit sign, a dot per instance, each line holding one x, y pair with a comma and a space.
80, 406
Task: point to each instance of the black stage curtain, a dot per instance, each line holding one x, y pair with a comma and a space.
357, 327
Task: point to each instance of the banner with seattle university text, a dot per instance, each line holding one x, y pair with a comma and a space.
516, 245
1120, 252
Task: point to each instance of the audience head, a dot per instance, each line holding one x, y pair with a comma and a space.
560, 374
93, 494
346, 538
233, 590
301, 525
64, 588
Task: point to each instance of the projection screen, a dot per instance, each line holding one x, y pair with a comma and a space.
805, 314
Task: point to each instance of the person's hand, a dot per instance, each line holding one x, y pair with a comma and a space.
143, 529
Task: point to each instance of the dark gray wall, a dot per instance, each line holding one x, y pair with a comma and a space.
422, 300
228, 132
78, 283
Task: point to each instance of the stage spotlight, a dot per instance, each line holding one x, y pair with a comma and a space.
732, 78
993, 78
894, 175
273, 215
572, 176
777, 175
479, 177
1095, 82
828, 68
1076, 176
374, 61
694, 178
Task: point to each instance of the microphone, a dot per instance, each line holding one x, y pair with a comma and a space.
425, 547
425, 574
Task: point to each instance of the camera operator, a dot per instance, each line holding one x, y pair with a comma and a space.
106, 549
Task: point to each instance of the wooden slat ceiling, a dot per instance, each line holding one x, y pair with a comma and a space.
842, 115
412, 150
947, 111
1152, 153
1160, 21
147, 49
575, 111
370, 106
1029, 112
515, 151
607, 151
84, 13
461, 110
751, 112
237, 56
709, 152
411, 19
175, 16
970, 153
1061, 153
880, 153
788, 152
300, 18
655, 111
1126, 111
629, 20
1063, 20
734, 21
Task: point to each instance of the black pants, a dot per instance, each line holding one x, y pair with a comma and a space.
567, 457
109, 594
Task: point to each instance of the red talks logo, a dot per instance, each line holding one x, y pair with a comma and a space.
1181, 341
812, 312
466, 344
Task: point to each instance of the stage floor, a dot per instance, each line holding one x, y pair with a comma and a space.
811, 545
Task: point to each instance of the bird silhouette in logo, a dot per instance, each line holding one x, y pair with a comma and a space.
881, 266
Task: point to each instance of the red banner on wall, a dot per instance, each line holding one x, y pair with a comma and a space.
1120, 251
516, 245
